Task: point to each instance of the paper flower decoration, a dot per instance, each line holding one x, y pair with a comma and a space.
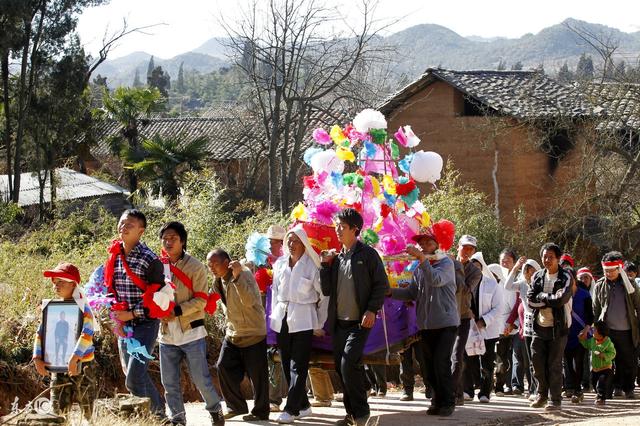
309, 153
327, 161
369, 237
405, 164
368, 119
338, 136
321, 136
323, 212
426, 166
345, 154
406, 137
299, 213
258, 248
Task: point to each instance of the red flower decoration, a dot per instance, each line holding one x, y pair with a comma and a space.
212, 303
264, 278
309, 182
405, 188
385, 210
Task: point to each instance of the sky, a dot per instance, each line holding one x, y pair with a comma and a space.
186, 24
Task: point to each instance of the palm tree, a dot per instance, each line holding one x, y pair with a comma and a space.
128, 106
165, 161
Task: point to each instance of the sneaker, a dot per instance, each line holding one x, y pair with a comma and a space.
532, 397
499, 393
629, 395
539, 402
304, 413
567, 394
274, 408
617, 392
467, 397
577, 398
508, 391
338, 397
253, 418
406, 396
599, 401
381, 394
320, 403
285, 418
517, 391
484, 399
553, 406
217, 418
373, 392
446, 411
347, 421
433, 411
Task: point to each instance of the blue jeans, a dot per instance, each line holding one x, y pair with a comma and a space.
196, 355
137, 379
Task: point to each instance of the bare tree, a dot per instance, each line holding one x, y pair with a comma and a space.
298, 57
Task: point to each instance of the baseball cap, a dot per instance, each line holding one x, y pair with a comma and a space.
65, 271
468, 240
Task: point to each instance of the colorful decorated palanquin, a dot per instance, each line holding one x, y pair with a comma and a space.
382, 187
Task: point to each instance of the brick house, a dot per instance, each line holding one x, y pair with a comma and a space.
513, 134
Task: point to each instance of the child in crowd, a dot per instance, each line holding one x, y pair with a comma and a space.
602, 354
78, 384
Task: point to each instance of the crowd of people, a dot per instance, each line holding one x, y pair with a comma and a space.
546, 331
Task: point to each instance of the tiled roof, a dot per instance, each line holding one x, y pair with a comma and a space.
620, 103
230, 136
521, 94
72, 185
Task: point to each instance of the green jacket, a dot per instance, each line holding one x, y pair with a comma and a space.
601, 304
606, 352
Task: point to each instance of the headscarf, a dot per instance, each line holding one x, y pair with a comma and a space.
485, 269
308, 248
619, 264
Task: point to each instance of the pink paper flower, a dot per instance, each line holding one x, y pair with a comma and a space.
321, 136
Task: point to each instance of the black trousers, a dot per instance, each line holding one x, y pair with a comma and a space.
574, 368
625, 363
233, 363
458, 356
547, 354
295, 354
407, 370
348, 345
603, 383
377, 377
533, 385
503, 362
520, 360
436, 346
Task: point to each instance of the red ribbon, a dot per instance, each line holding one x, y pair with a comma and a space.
613, 264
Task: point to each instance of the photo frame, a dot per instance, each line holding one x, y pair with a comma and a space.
61, 328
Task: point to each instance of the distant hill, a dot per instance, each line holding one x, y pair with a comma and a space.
418, 47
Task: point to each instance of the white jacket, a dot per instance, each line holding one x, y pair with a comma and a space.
296, 293
489, 307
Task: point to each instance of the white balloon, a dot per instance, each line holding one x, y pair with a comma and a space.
327, 161
426, 166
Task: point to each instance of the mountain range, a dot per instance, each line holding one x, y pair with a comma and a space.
420, 47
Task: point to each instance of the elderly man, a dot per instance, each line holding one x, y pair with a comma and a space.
244, 348
433, 288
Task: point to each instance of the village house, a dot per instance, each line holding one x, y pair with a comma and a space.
512, 134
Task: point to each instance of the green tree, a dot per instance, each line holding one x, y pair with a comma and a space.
150, 67
180, 84
128, 106
584, 69
564, 74
166, 162
160, 80
32, 33
136, 79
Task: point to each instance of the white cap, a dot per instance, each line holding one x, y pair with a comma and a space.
468, 240
276, 232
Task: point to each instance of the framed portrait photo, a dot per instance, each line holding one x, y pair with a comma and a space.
61, 328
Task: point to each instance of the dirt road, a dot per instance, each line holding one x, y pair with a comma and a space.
508, 410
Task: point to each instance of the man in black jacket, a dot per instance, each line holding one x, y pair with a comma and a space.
549, 293
356, 283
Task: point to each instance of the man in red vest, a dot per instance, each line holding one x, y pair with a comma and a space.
182, 333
